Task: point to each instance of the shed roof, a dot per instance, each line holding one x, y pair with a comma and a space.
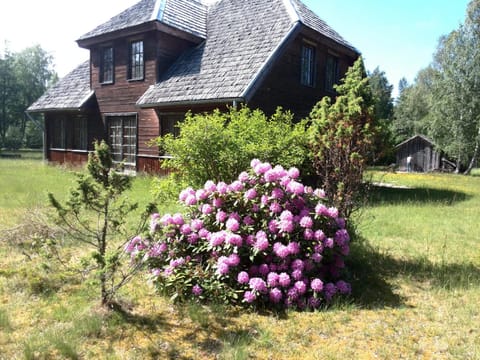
243, 38
418, 136
69, 93
186, 15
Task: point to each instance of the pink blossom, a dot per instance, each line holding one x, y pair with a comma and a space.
286, 215
343, 287
217, 202
243, 177
236, 186
264, 200
185, 229
248, 220
196, 224
297, 274
192, 238
340, 222
308, 234
249, 296
234, 239
301, 287
210, 186
243, 277
197, 290
333, 212
261, 244
283, 279
258, 284
254, 163
306, 222
328, 243
217, 238
262, 168
320, 193
263, 269
250, 240
294, 173
316, 285
319, 235
275, 207
250, 194
232, 224
222, 187
273, 226
297, 264
341, 237
295, 188
157, 249
190, 200
204, 233
185, 193
275, 295
316, 257
177, 219
281, 250
321, 209
330, 290
222, 268
166, 220
233, 260
201, 194
277, 193
221, 216
272, 279
207, 209
293, 248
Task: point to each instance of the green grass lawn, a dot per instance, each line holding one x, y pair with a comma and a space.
415, 272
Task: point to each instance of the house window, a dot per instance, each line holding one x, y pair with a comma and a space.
307, 76
80, 134
57, 133
331, 73
169, 124
106, 66
136, 63
122, 135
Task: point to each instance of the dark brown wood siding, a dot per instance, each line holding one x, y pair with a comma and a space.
282, 86
160, 51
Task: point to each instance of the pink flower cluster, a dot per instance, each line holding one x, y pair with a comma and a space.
265, 235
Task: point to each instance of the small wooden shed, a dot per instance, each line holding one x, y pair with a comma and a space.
424, 156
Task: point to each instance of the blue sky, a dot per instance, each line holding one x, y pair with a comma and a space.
399, 36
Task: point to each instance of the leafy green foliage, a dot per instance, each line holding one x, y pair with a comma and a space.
95, 214
342, 134
24, 77
218, 146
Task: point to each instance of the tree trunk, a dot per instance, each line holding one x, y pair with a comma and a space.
475, 154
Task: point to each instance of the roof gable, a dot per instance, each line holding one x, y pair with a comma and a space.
243, 38
69, 93
186, 15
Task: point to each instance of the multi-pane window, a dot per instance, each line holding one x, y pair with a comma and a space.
80, 134
122, 133
107, 65
307, 75
169, 124
136, 63
69, 133
332, 73
57, 133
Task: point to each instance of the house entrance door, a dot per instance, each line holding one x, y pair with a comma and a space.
122, 136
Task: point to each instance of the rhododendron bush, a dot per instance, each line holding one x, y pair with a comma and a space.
265, 240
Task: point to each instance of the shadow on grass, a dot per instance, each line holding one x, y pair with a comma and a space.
373, 273
388, 195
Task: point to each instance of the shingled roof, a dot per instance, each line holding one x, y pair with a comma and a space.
243, 37
186, 15
69, 93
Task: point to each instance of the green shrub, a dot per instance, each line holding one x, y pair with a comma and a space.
342, 135
218, 146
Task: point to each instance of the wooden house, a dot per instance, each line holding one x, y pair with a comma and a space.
158, 59
421, 150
